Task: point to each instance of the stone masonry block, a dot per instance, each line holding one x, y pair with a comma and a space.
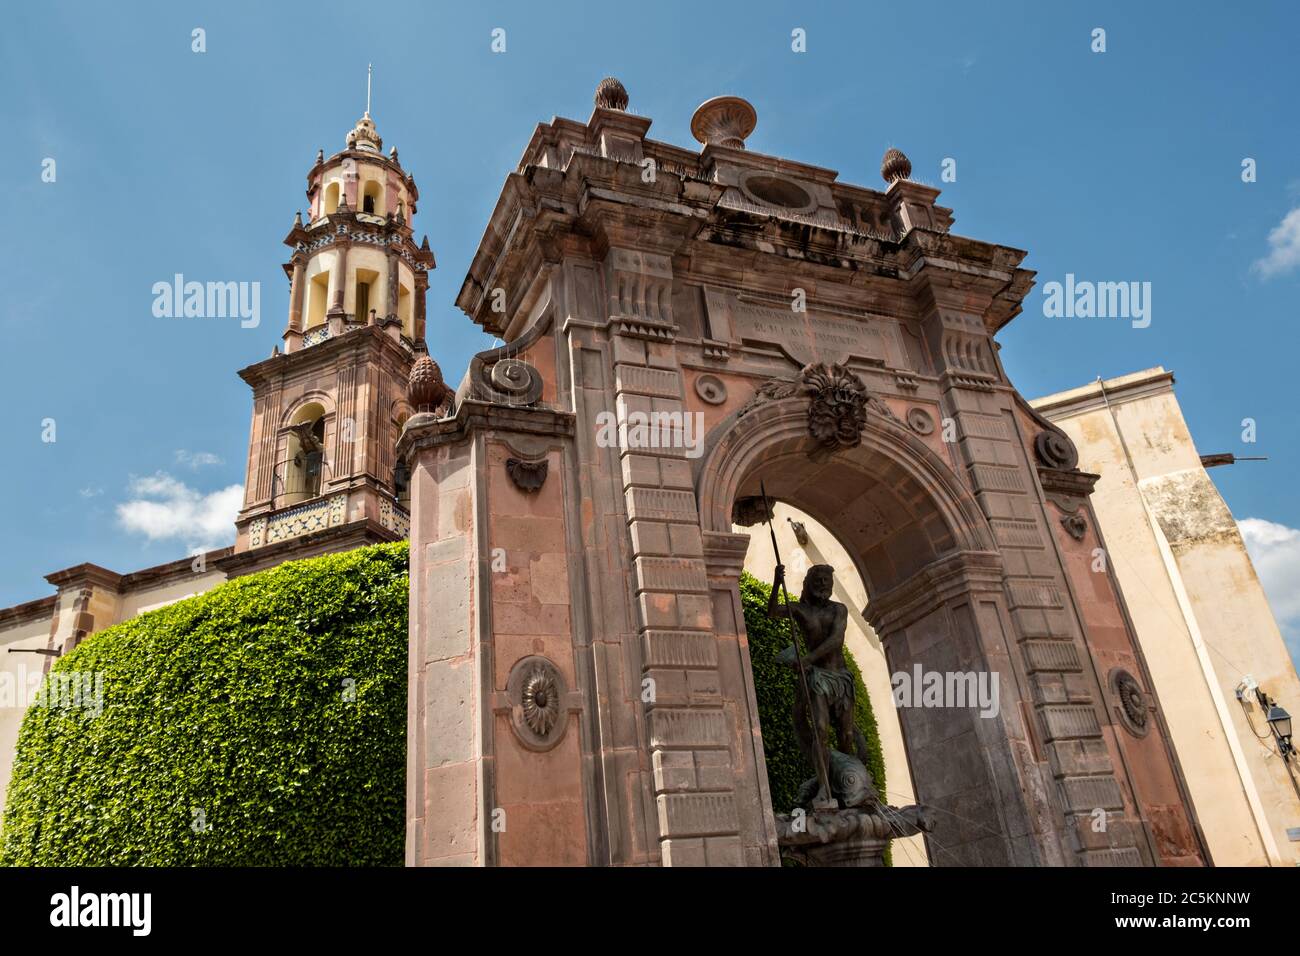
678, 852
629, 351
698, 814
671, 574
724, 851
685, 728
650, 537
658, 505
679, 649
674, 770
662, 383
685, 541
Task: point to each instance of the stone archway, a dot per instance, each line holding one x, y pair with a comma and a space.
547, 554
928, 558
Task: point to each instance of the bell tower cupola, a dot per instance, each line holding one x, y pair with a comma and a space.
329, 405
355, 261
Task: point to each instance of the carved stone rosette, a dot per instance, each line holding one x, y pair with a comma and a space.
1055, 450
1132, 706
538, 703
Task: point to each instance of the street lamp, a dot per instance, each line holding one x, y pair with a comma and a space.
1279, 721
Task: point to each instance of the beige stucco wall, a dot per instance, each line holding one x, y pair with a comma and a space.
20, 676
823, 548
1200, 613
138, 602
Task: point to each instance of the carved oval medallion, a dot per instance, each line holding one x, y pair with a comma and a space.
711, 389
919, 420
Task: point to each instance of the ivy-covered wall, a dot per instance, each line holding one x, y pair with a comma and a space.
261, 723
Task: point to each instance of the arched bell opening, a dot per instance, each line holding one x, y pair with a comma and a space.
304, 454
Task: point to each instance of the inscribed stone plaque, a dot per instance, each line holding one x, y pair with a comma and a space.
817, 336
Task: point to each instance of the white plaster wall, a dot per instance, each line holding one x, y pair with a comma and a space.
20, 677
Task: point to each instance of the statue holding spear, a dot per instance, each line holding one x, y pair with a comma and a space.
826, 691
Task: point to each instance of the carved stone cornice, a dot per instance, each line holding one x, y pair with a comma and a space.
426, 431
330, 540
961, 573
569, 181
1061, 486
363, 341
724, 554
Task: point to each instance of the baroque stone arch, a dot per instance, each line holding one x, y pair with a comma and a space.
895, 504
934, 578
312, 397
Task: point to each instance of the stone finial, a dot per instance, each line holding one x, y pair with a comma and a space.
297, 219
425, 389
895, 166
611, 94
320, 156
392, 154
724, 121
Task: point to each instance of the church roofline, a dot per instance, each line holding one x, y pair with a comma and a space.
27, 611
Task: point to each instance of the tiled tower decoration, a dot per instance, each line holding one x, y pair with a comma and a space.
327, 409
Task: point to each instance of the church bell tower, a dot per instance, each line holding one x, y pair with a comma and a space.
327, 410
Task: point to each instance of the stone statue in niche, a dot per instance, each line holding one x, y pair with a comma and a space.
822, 622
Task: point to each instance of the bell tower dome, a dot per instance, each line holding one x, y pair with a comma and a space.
328, 408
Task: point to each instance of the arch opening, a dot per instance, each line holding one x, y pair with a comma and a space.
931, 583
805, 543
304, 454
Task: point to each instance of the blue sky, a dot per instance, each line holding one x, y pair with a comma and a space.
1124, 165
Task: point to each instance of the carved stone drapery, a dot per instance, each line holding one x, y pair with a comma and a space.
528, 476
750, 511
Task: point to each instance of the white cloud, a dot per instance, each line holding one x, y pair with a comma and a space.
164, 508
1284, 248
91, 492
196, 459
1275, 551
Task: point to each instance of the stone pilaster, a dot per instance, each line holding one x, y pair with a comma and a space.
689, 729
1064, 709
297, 291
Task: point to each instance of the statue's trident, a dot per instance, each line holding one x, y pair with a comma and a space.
819, 752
